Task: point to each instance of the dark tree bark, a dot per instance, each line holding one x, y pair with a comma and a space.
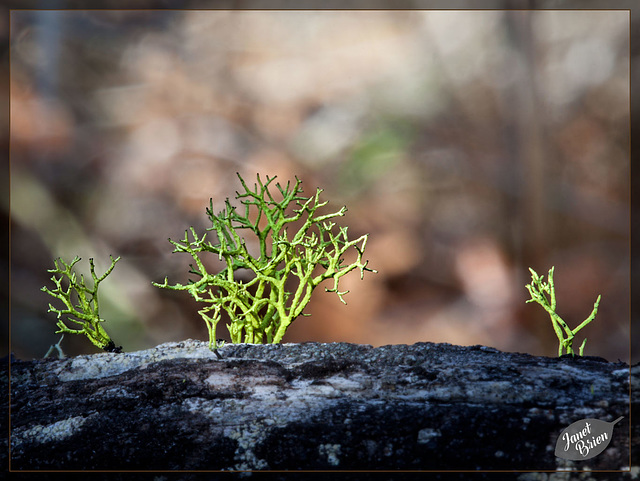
316, 407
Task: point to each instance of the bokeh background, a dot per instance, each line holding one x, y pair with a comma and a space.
471, 145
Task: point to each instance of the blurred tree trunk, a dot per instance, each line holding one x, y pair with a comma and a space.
526, 144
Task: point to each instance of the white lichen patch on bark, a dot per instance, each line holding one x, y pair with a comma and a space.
356, 382
222, 381
52, 432
247, 438
331, 452
427, 434
109, 364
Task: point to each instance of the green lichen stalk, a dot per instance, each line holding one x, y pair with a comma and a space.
544, 294
298, 249
86, 312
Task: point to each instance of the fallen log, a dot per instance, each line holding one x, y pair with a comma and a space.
317, 406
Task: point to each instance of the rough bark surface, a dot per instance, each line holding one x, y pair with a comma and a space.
318, 407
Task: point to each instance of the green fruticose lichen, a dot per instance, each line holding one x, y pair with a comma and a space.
56, 348
86, 312
544, 294
299, 248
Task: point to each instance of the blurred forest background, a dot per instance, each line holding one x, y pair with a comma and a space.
471, 145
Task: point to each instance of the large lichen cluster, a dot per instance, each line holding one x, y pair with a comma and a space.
296, 248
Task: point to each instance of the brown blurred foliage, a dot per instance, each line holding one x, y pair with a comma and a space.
471, 145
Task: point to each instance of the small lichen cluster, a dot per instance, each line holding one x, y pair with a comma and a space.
86, 312
299, 248
544, 294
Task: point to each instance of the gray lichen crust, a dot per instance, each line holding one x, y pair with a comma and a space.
53, 432
312, 406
